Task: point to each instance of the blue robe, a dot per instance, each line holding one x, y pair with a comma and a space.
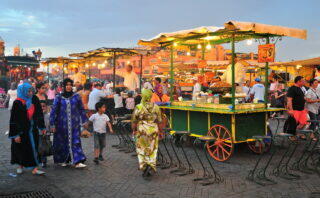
67, 115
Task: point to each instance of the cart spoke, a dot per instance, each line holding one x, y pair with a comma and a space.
218, 155
211, 145
218, 133
226, 144
223, 149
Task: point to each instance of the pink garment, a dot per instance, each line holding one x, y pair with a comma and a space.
51, 94
130, 103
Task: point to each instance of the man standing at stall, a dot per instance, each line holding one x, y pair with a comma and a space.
296, 103
257, 91
131, 79
78, 77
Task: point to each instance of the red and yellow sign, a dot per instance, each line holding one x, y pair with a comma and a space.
266, 53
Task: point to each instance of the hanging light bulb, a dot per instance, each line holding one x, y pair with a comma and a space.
94, 64
199, 46
208, 47
175, 44
87, 66
188, 53
249, 42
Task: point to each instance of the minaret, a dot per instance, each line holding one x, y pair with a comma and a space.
1, 47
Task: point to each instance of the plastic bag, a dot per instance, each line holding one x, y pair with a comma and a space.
45, 146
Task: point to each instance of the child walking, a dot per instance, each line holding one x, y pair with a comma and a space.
100, 121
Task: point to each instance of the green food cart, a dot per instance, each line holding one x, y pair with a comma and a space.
229, 123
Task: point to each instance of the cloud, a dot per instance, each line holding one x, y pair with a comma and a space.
11, 19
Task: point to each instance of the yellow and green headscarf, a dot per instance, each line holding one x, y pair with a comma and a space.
146, 95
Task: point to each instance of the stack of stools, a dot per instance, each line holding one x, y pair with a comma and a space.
208, 176
258, 175
125, 140
181, 170
170, 161
122, 141
126, 128
282, 168
311, 152
301, 162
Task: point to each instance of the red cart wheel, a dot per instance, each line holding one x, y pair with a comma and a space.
222, 149
259, 147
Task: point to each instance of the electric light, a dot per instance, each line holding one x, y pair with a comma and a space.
249, 42
208, 47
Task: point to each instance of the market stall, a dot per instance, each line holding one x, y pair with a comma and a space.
110, 54
287, 71
229, 123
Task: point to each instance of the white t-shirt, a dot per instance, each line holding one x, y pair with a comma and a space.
196, 89
147, 85
131, 80
258, 91
99, 122
94, 98
246, 90
118, 103
130, 103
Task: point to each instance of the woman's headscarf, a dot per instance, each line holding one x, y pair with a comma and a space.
22, 93
67, 94
13, 86
156, 90
146, 95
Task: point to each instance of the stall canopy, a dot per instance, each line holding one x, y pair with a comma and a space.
15, 61
113, 53
219, 35
305, 62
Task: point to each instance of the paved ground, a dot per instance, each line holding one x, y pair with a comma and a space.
118, 176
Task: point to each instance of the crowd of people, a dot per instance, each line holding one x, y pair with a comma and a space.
68, 109
65, 111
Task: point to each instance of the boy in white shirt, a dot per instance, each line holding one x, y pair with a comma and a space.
100, 122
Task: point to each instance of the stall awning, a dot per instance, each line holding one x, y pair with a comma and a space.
16, 61
219, 35
305, 62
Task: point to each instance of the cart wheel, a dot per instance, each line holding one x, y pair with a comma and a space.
222, 149
259, 147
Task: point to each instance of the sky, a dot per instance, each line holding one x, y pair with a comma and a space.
61, 27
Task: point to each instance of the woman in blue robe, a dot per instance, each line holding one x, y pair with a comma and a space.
25, 122
66, 117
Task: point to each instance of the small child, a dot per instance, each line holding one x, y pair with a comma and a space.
118, 102
46, 115
130, 102
100, 121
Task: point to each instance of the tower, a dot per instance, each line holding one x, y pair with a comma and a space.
1, 47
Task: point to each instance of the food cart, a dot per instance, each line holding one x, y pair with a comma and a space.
229, 123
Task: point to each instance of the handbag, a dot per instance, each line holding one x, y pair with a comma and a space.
45, 146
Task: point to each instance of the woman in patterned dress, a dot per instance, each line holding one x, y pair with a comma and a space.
66, 117
145, 124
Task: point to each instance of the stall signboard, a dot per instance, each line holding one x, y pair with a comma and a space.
266, 53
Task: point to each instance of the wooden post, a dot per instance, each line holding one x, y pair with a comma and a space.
266, 83
141, 57
114, 71
233, 89
171, 74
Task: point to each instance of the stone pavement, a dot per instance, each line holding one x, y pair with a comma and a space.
118, 177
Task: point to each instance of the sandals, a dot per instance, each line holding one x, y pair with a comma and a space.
38, 172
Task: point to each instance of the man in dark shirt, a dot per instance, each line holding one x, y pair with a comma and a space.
296, 102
